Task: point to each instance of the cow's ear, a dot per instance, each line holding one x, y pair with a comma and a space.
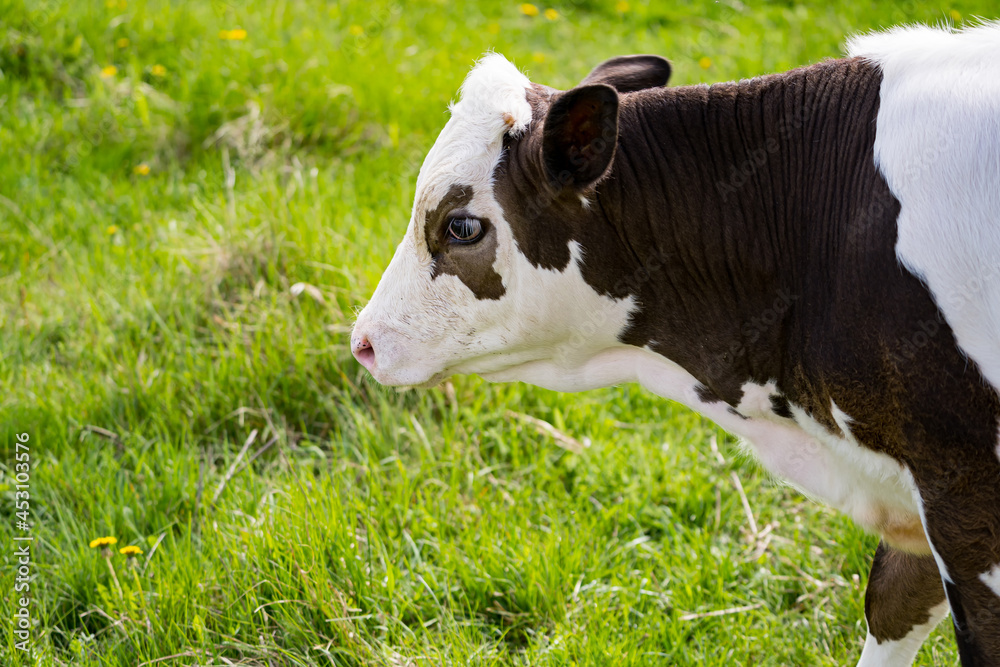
630, 73
580, 135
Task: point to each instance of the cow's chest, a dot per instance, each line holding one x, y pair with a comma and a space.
872, 488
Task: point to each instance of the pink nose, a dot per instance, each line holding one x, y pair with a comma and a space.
363, 351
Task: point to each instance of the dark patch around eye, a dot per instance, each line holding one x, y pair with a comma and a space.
471, 263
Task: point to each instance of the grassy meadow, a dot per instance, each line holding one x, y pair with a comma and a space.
195, 198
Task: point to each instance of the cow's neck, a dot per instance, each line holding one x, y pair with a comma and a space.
731, 204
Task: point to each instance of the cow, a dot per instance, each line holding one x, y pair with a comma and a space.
811, 259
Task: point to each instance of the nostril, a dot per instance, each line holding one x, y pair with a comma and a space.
364, 352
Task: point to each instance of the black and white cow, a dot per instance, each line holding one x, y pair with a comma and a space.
811, 259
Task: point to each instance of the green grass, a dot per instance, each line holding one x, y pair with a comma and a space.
148, 329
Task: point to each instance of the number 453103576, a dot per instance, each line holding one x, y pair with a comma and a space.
22, 469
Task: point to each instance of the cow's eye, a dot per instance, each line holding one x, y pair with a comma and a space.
465, 230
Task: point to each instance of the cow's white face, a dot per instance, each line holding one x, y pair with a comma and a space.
461, 294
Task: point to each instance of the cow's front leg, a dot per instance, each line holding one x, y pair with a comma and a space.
961, 514
903, 604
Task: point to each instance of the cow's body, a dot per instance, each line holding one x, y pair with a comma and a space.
811, 259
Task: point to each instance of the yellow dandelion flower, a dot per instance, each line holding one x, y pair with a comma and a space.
956, 15
130, 551
529, 9
356, 30
122, 42
236, 34
621, 7
551, 14
112, 230
493, 28
103, 542
705, 62
141, 169
158, 70
108, 72
538, 57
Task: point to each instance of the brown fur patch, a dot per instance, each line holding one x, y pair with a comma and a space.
902, 588
471, 263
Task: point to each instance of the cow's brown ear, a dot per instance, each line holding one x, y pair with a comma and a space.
630, 73
580, 135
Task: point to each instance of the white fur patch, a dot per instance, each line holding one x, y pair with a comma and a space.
992, 579
874, 489
493, 94
938, 146
901, 652
492, 102
553, 355
942, 568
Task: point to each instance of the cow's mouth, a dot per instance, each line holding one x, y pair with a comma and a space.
496, 373
491, 366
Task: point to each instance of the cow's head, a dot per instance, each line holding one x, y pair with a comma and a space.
490, 277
